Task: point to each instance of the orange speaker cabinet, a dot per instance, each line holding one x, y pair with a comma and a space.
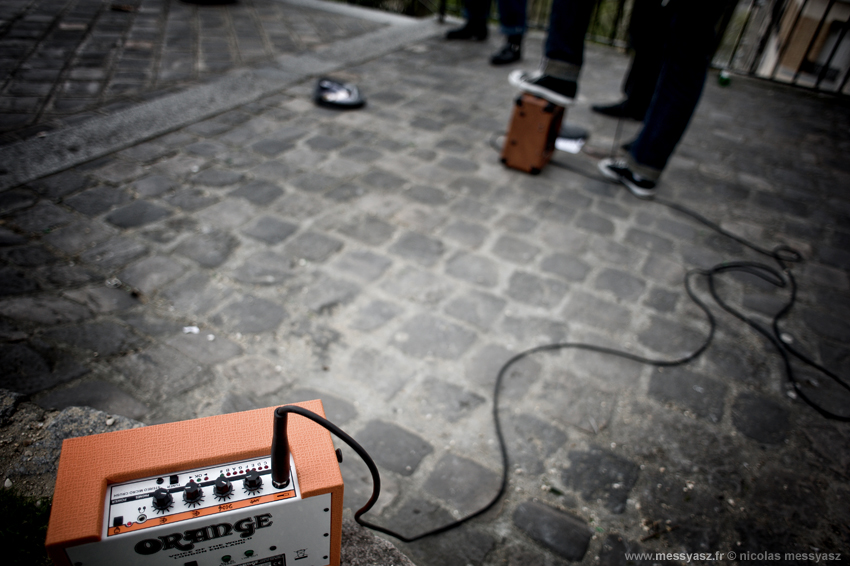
198, 493
530, 140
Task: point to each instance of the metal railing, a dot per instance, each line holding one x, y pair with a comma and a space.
608, 25
800, 42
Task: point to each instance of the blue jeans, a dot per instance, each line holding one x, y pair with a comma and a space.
689, 38
512, 20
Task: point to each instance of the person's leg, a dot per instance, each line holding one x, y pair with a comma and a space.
477, 13
568, 22
690, 40
563, 53
648, 18
646, 37
687, 53
512, 14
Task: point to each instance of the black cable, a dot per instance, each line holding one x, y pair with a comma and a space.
342, 435
783, 255
780, 278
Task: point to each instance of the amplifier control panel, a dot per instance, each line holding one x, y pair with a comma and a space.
140, 504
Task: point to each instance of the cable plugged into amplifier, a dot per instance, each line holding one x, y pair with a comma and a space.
203, 506
280, 449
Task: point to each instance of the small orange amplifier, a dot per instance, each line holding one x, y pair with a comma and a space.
530, 140
203, 492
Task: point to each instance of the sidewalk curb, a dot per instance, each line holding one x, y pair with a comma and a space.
31, 159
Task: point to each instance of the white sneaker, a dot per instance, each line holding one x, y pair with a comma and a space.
557, 91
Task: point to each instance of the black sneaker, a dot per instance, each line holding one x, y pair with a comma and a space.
620, 110
618, 171
557, 91
510, 53
468, 32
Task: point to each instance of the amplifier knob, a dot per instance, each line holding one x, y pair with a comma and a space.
253, 481
223, 488
193, 493
162, 499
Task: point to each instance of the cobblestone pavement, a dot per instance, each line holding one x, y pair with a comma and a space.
384, 261
65, 59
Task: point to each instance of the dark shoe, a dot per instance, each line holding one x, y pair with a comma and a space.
510, 53
620, 110
573, 132
468, 32
334, 94
557, 91
619, 171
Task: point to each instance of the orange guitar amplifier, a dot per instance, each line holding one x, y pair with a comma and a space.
530, 140
199, 493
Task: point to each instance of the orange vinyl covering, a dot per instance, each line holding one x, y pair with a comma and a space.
89, 463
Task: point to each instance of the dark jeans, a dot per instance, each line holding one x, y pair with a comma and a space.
673, 44
648, 47
568, 24
686, 32
511, 15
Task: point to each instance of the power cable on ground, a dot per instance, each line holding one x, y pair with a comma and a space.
780, 277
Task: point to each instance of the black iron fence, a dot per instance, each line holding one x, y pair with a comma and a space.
800, 42
609, 24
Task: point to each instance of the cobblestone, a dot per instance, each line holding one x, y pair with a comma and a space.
564, 534
364, 265
426, 335
515, 250
393, 447
419, 286
418, 248
587, 309
599, 474
384, 261
252, 315
476, 308
369, 230
760, 418
703, 396
475, 269
104, 339
114, 253
208, 250
205, 348
314, 246
270, 229
532, 442
98, 200
178, 373
623, 285
327, 293
261, 193
462, 483
375, 314
528, 288
191, 199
